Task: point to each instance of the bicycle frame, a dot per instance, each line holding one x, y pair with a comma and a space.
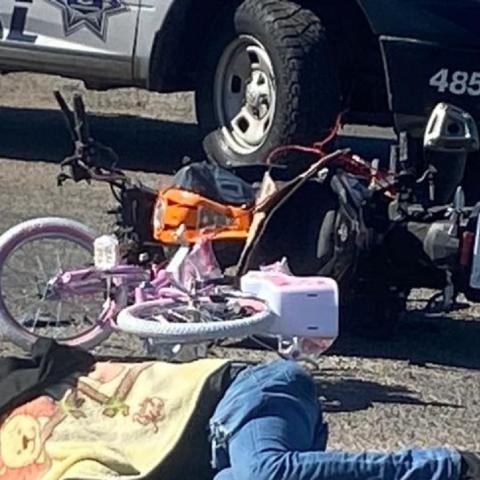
132, 284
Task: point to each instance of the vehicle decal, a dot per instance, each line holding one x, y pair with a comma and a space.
456, 82
16, 31
90, 14
17, 26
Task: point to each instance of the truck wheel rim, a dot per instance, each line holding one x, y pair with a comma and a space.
245, 94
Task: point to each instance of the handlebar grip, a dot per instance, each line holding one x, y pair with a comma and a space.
81, 123
67, 114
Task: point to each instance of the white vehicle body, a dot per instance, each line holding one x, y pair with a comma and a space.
94, 40
239, 56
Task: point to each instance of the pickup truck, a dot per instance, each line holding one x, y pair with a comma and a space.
265, 72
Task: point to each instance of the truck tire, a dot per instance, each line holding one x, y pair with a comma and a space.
268, 78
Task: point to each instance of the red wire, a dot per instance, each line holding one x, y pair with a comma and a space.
348, 161
316, 149
290, 148
333, 133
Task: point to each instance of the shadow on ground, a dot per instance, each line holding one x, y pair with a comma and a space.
142, 144
351, 395
422, 341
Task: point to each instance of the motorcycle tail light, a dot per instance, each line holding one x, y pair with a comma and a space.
208, 218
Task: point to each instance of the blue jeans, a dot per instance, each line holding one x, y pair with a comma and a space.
269, 426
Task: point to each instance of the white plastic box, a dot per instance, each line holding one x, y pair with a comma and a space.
106, 252
305, 306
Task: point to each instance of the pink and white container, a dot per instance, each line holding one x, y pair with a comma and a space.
306, 307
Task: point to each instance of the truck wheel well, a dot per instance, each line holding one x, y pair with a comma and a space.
175, 53
178, 46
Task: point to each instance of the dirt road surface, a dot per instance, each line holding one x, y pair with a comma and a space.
422, 387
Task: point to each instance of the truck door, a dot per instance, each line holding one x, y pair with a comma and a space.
451, 22
91, 39
431, 50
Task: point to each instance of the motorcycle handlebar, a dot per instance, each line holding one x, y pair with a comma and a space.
80, 171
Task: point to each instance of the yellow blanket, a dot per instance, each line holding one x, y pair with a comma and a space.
120, 421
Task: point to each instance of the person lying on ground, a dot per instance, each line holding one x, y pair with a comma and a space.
269, 426
64, 415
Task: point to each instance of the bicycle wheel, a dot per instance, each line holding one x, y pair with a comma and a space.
180, 321
31, 254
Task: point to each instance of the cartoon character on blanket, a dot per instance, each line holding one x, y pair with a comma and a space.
107, 422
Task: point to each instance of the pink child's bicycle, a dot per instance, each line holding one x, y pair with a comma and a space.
50, 288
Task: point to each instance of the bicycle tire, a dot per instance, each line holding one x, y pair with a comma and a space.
129, 321
33, 230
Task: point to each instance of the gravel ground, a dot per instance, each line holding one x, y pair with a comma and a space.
421, 387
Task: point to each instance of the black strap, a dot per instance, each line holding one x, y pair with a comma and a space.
470, 466
23, 379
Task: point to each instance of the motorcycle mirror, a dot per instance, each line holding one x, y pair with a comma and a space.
451, 129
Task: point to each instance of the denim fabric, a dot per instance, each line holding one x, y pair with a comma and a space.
269, 426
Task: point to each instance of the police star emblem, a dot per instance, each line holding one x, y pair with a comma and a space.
90, 14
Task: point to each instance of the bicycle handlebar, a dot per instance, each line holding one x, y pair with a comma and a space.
83, 163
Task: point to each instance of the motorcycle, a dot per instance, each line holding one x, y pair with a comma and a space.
379, 232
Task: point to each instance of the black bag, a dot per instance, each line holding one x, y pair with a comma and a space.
214, 183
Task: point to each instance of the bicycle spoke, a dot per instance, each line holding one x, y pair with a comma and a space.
24, 298
59, 313
199, 313
35, 303
178, 316
214, 318
35, 320
63, 256
87, 310
9, 285
15, 271
41, 268
24, 257
33, 307
59, 263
